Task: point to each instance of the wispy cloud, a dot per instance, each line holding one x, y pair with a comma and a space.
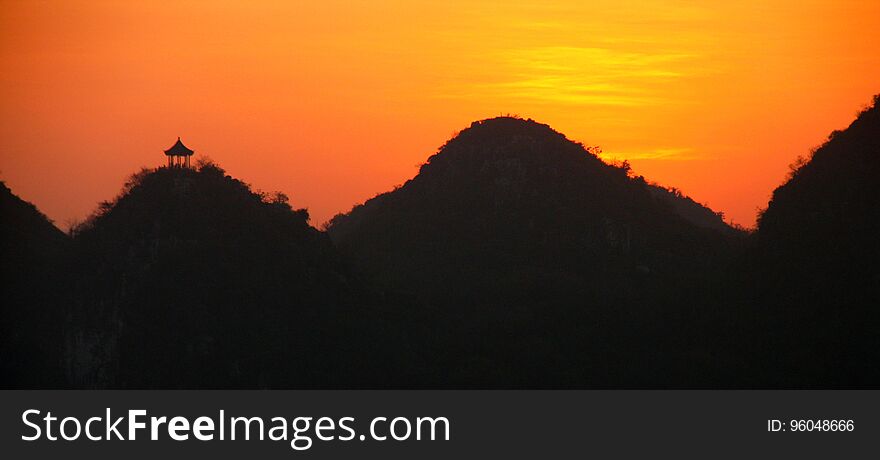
669, 153
581, 75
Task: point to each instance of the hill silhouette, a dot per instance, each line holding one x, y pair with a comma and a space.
30, 247
513, 181
831, 197
191, 279
812, 275
533, 261
516, 258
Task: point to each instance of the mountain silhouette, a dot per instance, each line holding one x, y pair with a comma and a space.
515, 258
191, 279
30, 247
514, 186
534, 261
831, 198
812, 277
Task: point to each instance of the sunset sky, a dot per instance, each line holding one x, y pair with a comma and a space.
333, 102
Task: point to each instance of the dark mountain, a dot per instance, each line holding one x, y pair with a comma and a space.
828, 206
533, 262
813, 270
191, 279
30, 330
516, 258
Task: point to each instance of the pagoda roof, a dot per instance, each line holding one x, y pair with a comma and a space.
178, 149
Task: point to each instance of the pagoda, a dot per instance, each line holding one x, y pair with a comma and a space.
178, 155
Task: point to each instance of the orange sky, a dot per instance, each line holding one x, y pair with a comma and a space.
333, 102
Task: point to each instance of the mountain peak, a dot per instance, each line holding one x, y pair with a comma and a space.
510, 137
510, 125
504, 154
193, 204
203, 272
518, 192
